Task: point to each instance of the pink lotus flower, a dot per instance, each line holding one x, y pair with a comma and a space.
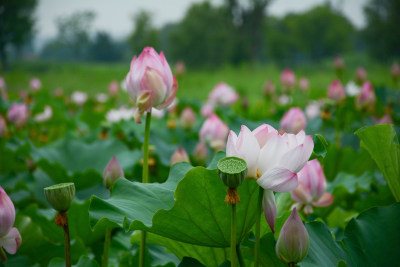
386, 119
395, 71
35, 84
338, 63
207, 110
336, 91
179, 155
293, 121
214, 132
3, 127
113, 88
312, 110
223, 95
268, 88
312, 188
180, 68
3, 91
361, 75
10, 239
18, 114
112, 172
288, 80
188, 118
304, 84
366, 98
150, 82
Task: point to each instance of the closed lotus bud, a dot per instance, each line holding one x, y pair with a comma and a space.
338, 64
112, 172
304, 84
150, 82
113, 88
366, 98
2, 83
79, 98
361, 75
386, 119
312, 111
188, 118
58, 93
293, 121
179, 155
223, 95
232, 171
395, 71
293, 242
3, 127
60, 196
18, 114
35, 84
207, 110
214, 132
180, 68
336, 91
288, 80
268, 88
200, 153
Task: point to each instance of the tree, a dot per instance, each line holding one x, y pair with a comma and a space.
144, 33
16, 25
103, 48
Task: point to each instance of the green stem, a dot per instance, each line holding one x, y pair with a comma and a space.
3, 255
67, 243
292, 264
257, 237
240, 256
233, 236
107, 241
145, 179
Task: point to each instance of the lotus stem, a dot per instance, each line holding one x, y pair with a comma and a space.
233, 236
3, 255
240, 256
257, 237
107, 241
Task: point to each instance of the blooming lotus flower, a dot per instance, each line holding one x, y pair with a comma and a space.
361, 75
3, 127
188, 118
223, 95
366, 98
214, 132
268, 88
112, 172
311, 190
312, 111
293, 241
395, 71
338, 64
207, 110
113, 88
288, 80
45, 115
304, 84
35, 84
293, 121
10, 239
179, 155
18, 114
79, 98
150, 82
336, 91
352, 89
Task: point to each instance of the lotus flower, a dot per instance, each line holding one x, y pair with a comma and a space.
18, 114
123, 113
312, 111
223, 95
113, 88
179, 155
366, 98
180, 68
150, 82
338, 64
268, 88
10, 239
288, 80
386, 119
304, 84
352, 89
336, 91
293, 241
200, 153
312, 188
45, 115
207, 110
79, 98
188, 118
35, 84
293, 121
3, 127
395, 71
112, 172
214, 132
361, 75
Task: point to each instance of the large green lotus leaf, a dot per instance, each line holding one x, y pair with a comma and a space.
208, 256
382, 144
198, 215
84, 261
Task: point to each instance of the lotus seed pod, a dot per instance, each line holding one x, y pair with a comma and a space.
232, 171
60, 196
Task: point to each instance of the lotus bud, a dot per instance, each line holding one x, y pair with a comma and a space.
112, 172
338, 64
188, 118
336, 91
179, 155
366, 98
304, 84
200, 153
207, 110
395, 71
223, 95
79, 98
288, 80
361, 75
18, 114
3, 127
2, 83
58, 93
35, 84
214, 132
60, 196
268, 88
113, 88
312, 111
180, 68
232, 171
293, 121
293, 242
23, 94
386, 119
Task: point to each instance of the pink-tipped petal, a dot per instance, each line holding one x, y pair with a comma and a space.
324, 201
271, 153
248, 147
263, 133
278, 179
11, 241
171, 97
269, 208
296, 158
231, 150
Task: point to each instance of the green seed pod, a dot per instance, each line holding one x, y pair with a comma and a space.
60, 196
232, 171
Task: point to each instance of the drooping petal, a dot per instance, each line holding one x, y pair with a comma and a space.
269, 208
278, 179
11, 241
324, 201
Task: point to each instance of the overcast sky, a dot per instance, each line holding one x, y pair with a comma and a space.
115, 16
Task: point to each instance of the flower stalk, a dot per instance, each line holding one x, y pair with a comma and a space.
233, 236
107, 242
257, 237
62, 221
3, 255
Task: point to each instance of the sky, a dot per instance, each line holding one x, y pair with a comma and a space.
115, 16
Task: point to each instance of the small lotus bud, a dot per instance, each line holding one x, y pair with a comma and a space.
3, 127
232, 171
179, 155
268, 88
188, 118
361, 75
338, 64
288, 80
293, 242
304, 84
200, 153
395, 71
112, 172
113, 88
35, 84
60, 196
180, 68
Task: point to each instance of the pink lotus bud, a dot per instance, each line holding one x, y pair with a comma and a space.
2, 83
214, 132
3, 91
312, 188
304, 84
35, 84
338, 63
223, 95
200, 153
10, 238
150, 82
23, 94
361, 75
312, 111
207, 110
293, 241
58, 92
180, 68
366, 98
112, 172
113, 88
293, 121
268, 88
179, 155
18, 114
336, 91
188, 118
3, 127
386, 119
395, 71
288, 80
